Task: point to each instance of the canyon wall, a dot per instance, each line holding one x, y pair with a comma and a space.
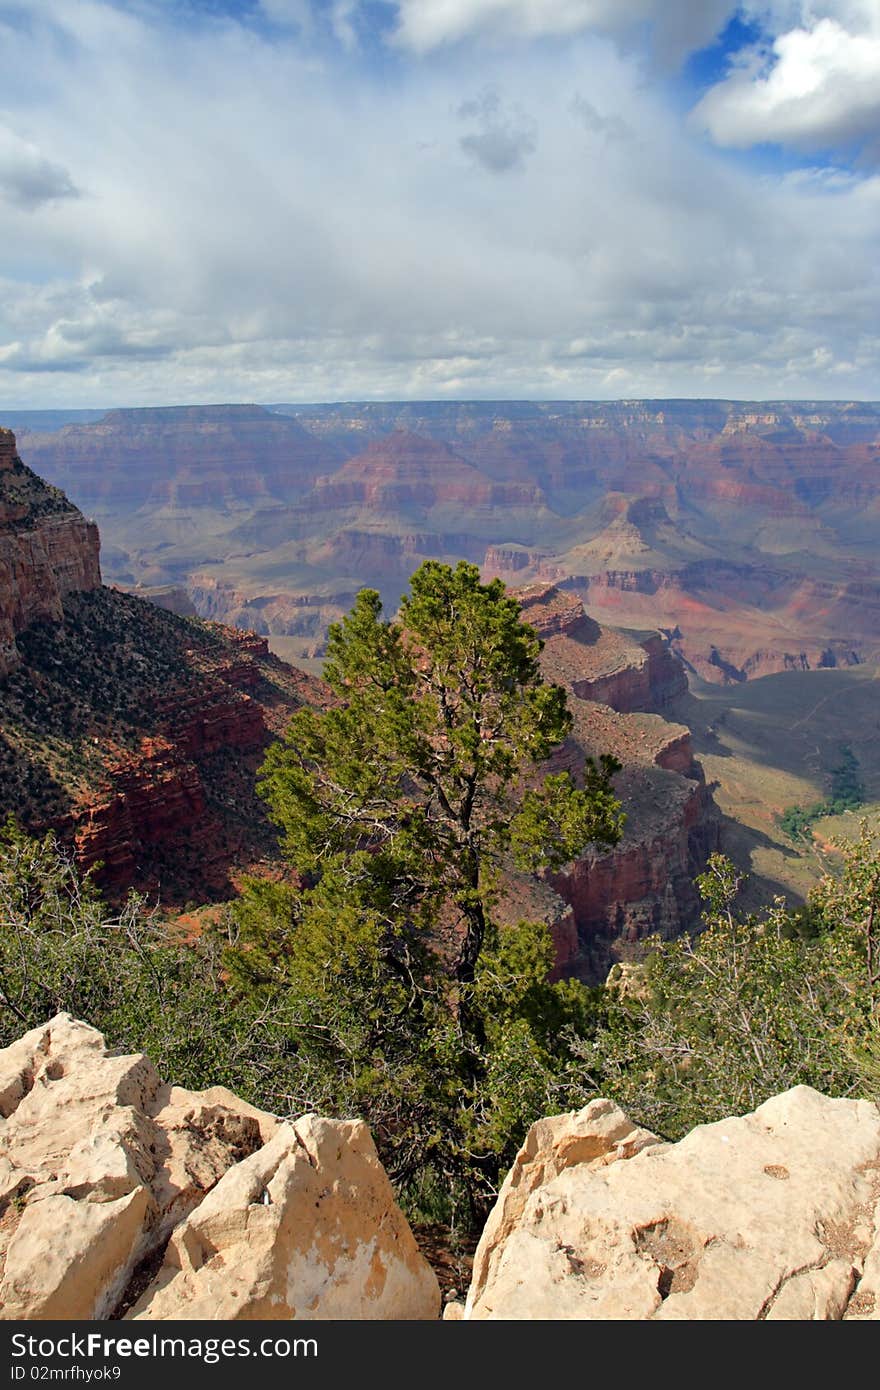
181, 457
169, 801
157, 806
732, 623
644, 886
47, 551
132, 732
611, 900
137, 733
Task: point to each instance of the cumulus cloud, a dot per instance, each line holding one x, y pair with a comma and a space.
816, 85
27, 178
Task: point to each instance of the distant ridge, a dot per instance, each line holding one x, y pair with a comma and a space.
47, 421
746, 530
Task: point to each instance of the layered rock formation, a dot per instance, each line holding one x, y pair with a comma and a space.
372, 522
772, 1216
170, 596
645, 885
405, 469
628, 671
182, 458
747, 531
733, 623
133, 732
101, 1162
136, 734
303, 617
47, 551
610, 900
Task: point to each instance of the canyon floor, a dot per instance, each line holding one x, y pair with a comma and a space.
769, 744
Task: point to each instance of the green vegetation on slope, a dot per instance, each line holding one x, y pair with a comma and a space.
24, 496
754, 1005
847, 794
89, 690
86, 690
702, 1029
768, 746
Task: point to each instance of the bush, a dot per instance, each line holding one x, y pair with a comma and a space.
753, 1006
126, 973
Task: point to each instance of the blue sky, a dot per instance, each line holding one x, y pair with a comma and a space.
341, 199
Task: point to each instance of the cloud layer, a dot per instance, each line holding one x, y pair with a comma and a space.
465, 206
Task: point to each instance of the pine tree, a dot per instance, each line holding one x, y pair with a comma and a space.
402, 805
417, 786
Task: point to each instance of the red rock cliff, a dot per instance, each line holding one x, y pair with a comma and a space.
47, 551
609, 900
178, 813
629, 671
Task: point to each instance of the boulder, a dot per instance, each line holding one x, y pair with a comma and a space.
101, 1161
771, 1216
305, 1228
593, 1137
73, 1259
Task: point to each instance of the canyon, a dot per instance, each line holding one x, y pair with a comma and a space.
744, 530
135, 732
132, 725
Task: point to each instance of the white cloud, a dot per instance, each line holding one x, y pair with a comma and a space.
817, 86
295, 13
342, 22
426, 24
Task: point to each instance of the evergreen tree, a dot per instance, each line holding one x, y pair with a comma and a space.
414, 786
401, 807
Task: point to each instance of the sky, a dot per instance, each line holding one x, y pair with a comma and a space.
309, 200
